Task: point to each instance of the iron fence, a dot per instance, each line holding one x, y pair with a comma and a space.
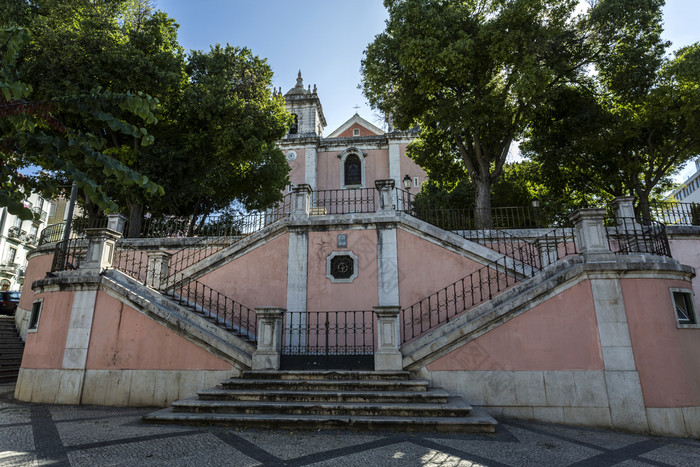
134, 263
215, 225
674, 213
455, 299
69, 254
628, 235
360, 200
328, 339
223, 311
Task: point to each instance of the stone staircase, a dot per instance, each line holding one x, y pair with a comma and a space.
11, 348
360, 400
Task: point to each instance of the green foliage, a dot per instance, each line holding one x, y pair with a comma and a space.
32, 135
471, 74
630, 126
224, 137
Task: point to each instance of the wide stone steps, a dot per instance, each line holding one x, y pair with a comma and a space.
11, 349
435, 396
361, 400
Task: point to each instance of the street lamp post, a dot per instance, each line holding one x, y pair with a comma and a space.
536, 208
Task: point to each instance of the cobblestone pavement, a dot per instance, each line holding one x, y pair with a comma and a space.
36, 434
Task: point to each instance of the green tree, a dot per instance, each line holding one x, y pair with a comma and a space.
634, 122
119, 45
226, 132
32, 135
471, 74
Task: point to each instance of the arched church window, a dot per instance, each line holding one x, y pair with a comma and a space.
353, 170
295, 125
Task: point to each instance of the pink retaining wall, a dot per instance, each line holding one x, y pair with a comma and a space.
258, 278
416, 281
361, 294
37, 267
667, 358
123, 338
687, 251
45, 347
558, 334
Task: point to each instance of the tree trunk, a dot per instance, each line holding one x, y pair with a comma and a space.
482, 205
135, 216
643, 208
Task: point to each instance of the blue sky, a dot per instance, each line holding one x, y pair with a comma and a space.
325, 39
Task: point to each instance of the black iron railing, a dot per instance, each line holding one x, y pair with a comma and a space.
455, 299
328, 339
217, 225
629, 235
69, 254
350, 201
223, 311
674, 213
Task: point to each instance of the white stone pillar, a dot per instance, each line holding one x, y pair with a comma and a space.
591, 237
297, 280
101, 243
302, 202
310, 159
387, 356
387, 265
75, 353
386, 192
395, 161
270, 323
624, 389
158, 268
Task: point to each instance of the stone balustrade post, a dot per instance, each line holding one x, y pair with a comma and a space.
270, 323
158, 268
387, 356
386, 191
116, 222
591, 236
548, 249
101, 245
302, 201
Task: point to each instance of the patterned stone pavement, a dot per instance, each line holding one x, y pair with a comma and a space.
36, 434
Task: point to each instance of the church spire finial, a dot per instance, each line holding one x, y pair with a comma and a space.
300, 81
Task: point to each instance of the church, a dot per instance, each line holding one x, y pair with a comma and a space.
355, 155
344, 307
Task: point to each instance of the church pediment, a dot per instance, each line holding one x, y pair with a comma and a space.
358, 127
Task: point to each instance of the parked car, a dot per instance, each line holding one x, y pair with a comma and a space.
8, 302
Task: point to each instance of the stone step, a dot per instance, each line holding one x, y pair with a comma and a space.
476, 423
436, 396
453, 408
327, 375
327, 385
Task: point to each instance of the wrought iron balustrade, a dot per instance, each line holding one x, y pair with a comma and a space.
629, 235
69, 254
328, 339
358, 200
675, 213
455, 299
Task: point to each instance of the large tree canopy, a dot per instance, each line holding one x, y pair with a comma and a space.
633, 123
33, 134
216, 119
471, 73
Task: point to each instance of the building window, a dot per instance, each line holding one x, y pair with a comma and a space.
341, 267
36, 314
294, 129
353, 170
11, 255
356, 132
416, 182
684, 306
